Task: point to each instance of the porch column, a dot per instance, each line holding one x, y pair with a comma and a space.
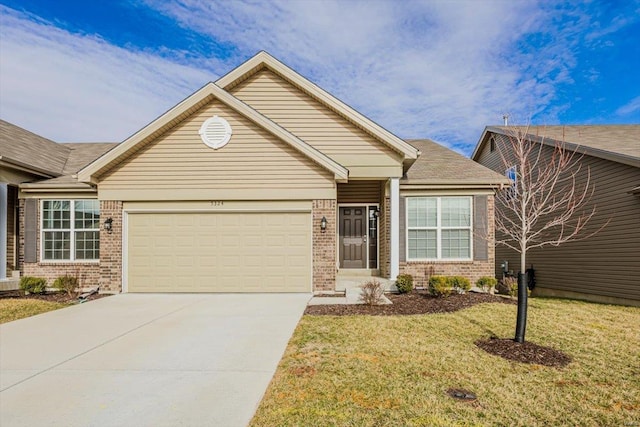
394, 250
3, 230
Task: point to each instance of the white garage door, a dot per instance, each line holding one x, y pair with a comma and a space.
219, 252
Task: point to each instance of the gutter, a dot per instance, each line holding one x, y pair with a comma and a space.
15, 164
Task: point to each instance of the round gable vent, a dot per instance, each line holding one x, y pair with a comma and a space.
215, 132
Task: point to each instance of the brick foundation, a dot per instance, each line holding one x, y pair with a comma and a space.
421, 271
324, 246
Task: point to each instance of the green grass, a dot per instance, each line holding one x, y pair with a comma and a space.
394, 371
14, 309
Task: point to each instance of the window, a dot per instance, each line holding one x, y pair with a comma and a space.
70, 230
512, 174
438, 228
492, 144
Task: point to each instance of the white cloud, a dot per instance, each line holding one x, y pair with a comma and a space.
438, 69
630, 107
442, 70
71, 87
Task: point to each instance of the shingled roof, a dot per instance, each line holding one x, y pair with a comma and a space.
620, 143
34, 152
80, 155
440, 166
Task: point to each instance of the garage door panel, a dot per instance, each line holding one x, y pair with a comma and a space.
219, 252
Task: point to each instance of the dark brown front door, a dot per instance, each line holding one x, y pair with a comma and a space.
353, 237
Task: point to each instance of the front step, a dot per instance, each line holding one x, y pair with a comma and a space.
10, 284
358, 272
344, 282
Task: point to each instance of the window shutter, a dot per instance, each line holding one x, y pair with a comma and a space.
480, 229
30, 230
403, 230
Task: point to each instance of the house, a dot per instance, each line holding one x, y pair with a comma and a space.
259, 182
604, 267
27, 158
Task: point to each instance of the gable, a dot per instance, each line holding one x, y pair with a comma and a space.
185, 109
318, 125
255, 164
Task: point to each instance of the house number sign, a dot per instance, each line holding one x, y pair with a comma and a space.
217, 203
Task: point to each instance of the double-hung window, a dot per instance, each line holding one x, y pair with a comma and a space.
439, 228
70, 230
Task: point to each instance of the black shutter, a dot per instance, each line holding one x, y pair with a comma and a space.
30, 230
480, 229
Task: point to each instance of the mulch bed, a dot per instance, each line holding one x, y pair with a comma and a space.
416, 302
526, 352
61, 297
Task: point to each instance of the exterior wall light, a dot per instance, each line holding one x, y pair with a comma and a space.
108, 225
323, 224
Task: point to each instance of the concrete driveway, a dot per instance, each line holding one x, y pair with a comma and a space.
145, 360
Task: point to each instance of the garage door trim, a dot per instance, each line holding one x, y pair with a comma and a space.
212, 210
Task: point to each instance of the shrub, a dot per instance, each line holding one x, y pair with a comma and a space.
404, 283
66, 283
372, 292
33, 285
440, 286
508, 286
460, 284
486, 283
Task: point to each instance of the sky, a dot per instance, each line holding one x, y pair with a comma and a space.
90, 70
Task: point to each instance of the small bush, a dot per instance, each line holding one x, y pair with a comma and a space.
508, 286
486, 283
33, 285
440, 286
372, 292
460, 284
66, 283
404, 283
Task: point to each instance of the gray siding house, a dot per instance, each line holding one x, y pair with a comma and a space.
604, 267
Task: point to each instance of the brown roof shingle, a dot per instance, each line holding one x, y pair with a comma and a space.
438, 165
25, 148
618, 139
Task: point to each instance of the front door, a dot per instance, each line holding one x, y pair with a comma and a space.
353, 237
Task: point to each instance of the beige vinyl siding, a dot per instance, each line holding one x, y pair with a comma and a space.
311, 121
178, 165
606, 264
360, 192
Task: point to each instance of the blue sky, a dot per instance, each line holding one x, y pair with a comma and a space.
101, 70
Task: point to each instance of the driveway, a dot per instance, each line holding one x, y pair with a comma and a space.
145, 360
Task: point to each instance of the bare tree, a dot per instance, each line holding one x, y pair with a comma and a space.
545, 205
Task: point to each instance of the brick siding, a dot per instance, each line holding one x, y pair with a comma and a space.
324, 246
111, 248
384, 241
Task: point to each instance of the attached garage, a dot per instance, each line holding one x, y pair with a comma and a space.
222, 251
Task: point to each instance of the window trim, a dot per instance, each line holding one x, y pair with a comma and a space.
72, 230
439, 229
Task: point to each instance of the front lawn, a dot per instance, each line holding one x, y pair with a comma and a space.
396, 370
15, 308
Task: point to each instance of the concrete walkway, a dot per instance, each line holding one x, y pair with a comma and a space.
145, 360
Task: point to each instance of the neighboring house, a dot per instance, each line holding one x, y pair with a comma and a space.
27, 158
259, 182
604, 267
